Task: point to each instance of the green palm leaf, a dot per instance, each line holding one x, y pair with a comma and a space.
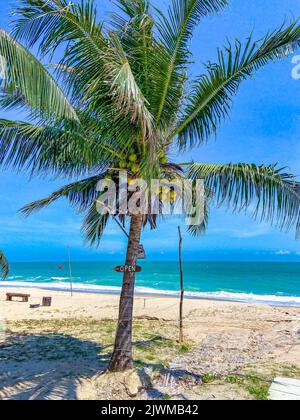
94, 225
274, 193
58, 22
62, 149
128, 98
175, 30
80, 194
201, 229
212, 94
52, 23
29, 77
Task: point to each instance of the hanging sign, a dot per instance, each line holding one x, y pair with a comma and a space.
128, 269
141, 253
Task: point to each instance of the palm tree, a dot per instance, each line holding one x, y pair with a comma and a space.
120, 98
4, 266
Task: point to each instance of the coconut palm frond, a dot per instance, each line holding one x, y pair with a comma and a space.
81, 195
101, 76
30, 78
176, 29
201, 228
271, 191
75, 25
128, 98
51, 23
12, 99
62, 149
44, 148
94, 225
212, 94
135, 27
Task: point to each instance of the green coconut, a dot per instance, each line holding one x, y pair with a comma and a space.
164, 160
123, 164
133, 158
135, 168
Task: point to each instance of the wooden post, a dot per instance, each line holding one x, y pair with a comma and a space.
181, 338
70, 271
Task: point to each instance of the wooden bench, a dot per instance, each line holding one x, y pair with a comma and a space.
10, 296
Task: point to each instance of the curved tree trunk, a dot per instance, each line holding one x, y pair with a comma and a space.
122, 355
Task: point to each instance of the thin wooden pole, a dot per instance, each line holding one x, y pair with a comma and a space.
70, 271
181, 338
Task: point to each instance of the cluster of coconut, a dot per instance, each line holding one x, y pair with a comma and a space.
132, 166
130, 163
166, 194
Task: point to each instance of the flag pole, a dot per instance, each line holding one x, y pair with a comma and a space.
70, 271
181, 288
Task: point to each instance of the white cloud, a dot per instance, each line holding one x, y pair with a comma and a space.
283, 252
251, 233
242, 233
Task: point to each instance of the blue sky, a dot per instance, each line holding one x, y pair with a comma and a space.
263, 128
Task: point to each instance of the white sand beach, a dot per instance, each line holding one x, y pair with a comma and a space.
222, 337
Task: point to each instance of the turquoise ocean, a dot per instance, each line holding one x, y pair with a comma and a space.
273, 283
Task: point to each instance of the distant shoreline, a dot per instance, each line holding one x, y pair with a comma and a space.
291, 260
222, 296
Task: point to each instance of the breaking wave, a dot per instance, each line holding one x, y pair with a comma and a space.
61, 285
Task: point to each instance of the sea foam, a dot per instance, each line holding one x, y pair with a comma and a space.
274, 300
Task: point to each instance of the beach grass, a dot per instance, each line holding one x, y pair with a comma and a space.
154, 341
155, 346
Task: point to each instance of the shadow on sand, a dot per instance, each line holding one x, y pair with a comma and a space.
46, 366
51, 366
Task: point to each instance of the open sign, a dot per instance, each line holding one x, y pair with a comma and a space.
128, 269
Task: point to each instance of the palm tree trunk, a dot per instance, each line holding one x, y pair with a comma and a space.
121, 359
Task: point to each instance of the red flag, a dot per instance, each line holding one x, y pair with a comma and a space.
61, 267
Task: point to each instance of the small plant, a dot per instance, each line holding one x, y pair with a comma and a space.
207, 378
167, 397
184, 348
234, 379
255, 380
143, 347
260, 393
